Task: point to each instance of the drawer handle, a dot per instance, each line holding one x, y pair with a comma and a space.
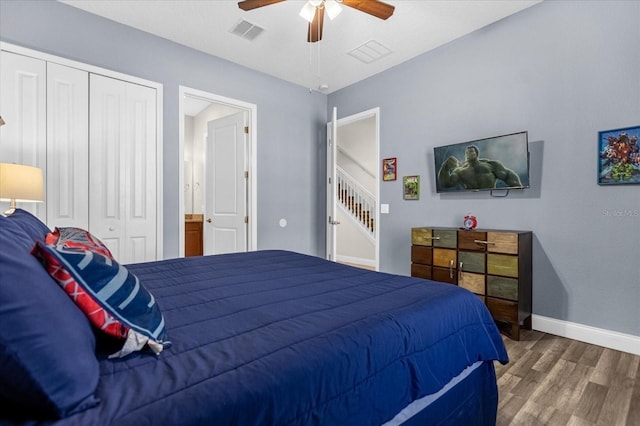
484, 242
433, 238
451, 263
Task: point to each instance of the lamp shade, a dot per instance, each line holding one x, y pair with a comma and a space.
21, 183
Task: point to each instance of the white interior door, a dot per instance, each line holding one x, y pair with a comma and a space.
122, 164
332, 222
23, 139
353, 153
225, 188
67, 146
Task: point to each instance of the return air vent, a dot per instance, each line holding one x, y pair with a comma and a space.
370, 51
246, 30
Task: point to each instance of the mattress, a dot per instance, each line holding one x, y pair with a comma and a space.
281, 338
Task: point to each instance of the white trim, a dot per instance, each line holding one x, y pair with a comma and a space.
585, 333
252, 208
159, 120
356, 260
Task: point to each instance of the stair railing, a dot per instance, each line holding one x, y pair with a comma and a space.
357, 201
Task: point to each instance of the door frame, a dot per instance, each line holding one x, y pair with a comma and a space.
252, 192
375, 113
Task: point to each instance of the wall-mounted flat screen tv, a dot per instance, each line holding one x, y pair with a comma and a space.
500, 162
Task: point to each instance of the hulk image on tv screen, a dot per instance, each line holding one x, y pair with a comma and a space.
500, 162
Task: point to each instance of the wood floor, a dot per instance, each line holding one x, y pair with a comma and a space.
552, 380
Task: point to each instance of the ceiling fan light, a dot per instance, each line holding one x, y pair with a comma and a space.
308, 11
333, 8
315, 3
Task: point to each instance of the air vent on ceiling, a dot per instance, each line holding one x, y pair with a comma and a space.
246, 30
370, 51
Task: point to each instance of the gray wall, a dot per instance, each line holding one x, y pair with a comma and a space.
290, 118
563, 70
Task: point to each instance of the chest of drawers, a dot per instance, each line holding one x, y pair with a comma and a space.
496, 265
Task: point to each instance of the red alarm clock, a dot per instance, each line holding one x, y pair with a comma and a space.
470, 222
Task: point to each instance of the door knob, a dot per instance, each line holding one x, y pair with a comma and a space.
209, 220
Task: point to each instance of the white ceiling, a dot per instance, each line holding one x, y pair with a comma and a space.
282, 50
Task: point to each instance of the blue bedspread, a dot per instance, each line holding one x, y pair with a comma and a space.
280, 338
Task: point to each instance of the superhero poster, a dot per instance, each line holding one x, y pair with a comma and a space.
619, 156
411, 187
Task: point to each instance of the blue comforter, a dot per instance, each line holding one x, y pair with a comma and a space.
280, 338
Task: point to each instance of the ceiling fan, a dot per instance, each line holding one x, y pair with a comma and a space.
313, 11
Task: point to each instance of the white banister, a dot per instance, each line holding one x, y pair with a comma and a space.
357, 201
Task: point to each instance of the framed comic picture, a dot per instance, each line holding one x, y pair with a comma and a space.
411, 187
390, 169
619, 156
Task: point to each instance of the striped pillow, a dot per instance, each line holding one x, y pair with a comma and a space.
71, 237
111, 297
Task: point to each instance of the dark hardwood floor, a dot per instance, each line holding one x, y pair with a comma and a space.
552, 380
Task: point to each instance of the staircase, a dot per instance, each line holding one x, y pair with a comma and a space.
356, 201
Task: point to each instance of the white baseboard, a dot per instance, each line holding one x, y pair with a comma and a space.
356, 260
584, 333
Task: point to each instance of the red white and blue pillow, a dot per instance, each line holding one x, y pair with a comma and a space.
71, 237
111, 297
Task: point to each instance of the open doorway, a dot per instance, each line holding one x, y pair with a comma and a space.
199, 137
353, 188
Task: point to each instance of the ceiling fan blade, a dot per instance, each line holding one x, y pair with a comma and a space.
254, 4
372, 7
314, 33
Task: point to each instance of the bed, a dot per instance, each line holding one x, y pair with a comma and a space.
269, 337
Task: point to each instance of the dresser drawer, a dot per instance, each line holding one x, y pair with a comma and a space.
467, 240
421, 254
444, 257
421, 271
445, 238
502, 264
505, 288
471, 261
445, 275
503, 310
503, 242
472, 282
422, 236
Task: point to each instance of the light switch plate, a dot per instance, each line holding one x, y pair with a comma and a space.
384, 208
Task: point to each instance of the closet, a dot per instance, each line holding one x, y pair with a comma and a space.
95, 136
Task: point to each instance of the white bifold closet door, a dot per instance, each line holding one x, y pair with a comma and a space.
122, 163
23, 105
67, 147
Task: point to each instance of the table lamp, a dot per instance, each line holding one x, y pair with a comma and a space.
19, 183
